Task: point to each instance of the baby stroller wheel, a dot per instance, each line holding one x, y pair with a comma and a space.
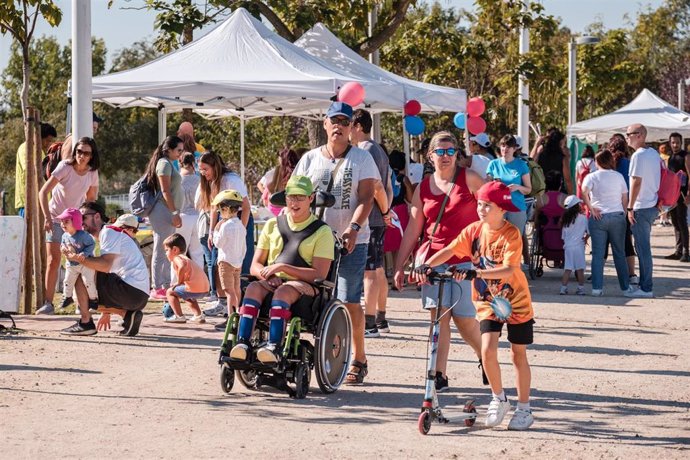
424, 422
332, 346
302, 377
227, 378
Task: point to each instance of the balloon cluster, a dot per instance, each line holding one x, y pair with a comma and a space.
351, 93
473, 121
413, 124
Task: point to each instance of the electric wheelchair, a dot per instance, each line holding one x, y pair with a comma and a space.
323, 317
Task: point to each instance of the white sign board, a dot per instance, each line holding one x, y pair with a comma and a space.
12, 234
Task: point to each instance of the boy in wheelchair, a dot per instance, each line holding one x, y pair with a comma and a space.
293, 251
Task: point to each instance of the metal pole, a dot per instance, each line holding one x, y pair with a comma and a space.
68, 124
681, 94
523, 86
374, 59
82, 109
572, 82
242, 148
162, 123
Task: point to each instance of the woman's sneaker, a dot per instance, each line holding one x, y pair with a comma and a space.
157, 294
441, 382
267, 354
66, 302
46, 309
634, 279
198, 319
580, 291
382, 326
240, 352
564, 290
521, 420
176, 319
496, 412
219, 309
597, 292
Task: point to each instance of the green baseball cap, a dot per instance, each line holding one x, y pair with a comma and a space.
299, 185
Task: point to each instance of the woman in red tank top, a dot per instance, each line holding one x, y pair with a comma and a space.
459, 211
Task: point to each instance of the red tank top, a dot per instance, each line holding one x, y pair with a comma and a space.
460, 211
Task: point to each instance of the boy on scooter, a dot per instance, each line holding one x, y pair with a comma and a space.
496, 248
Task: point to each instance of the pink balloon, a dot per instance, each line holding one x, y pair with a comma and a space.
476, 125
475, 107
351, 93
412, 107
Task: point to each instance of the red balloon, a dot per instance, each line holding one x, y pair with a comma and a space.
476, 125
351, 93
475, 107
412, 107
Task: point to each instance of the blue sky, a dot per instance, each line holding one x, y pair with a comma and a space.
120, 28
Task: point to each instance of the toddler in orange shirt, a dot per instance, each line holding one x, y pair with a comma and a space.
192, 283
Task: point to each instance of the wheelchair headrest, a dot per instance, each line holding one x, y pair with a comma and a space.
322, 200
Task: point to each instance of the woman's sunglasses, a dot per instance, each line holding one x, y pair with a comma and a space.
440, 152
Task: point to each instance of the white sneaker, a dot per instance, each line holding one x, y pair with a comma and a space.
521, 420
176, 319
634, 279
638, 294
597, 292
267, 354
198, 319
580, 291
239, 352
218, 309
564, 290
496, 411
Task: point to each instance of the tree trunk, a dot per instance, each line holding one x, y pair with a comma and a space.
317, 135
26, 73
187, 37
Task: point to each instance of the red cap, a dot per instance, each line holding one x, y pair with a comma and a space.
498, 193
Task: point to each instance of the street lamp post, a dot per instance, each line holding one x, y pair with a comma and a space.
572, 74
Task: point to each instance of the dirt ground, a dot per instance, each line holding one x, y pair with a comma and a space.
610, 380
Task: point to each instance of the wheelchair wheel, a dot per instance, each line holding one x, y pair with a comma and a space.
302, 378
248, 379
227, 378
332, 346
534, 256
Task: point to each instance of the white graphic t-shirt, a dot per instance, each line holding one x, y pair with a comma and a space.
357, 165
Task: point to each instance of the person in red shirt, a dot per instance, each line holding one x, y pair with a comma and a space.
500, 293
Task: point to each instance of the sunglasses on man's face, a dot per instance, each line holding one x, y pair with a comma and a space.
340, 121
440, 152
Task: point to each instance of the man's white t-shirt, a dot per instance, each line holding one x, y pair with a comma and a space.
479, 165
129, 263
606, 188
646, 163
358, 165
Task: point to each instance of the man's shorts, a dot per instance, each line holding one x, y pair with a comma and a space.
302, 287
351, 275
115, 293
375, 248
519, 334
55, 236
181, 292
457, 295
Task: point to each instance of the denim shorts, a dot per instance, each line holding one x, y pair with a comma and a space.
182, 293
457, 295
55, 236
351, 274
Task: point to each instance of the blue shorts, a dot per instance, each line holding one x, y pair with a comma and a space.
457, 295
55, 236
180, 292
351, 275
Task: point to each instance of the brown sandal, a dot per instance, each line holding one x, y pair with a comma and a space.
355, 377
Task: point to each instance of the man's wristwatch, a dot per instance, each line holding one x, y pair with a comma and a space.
355, 226
176, 213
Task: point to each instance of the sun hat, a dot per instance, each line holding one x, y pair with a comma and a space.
299, 185
498, 193
570, 201
74, 215
518, 141
232, 197
339, 108
127, 220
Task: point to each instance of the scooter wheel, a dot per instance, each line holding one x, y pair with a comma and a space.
470, 409
424, 422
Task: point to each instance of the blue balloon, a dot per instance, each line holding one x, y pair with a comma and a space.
414, 125
459, 119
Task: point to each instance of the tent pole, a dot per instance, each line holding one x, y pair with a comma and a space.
406, 146
523, 85
82, 122
162, 123
681, 95
242, 148
374, 59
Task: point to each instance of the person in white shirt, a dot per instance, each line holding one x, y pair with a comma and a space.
574, 234
645, 178
606, 195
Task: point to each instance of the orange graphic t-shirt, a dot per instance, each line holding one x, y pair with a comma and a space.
493, 249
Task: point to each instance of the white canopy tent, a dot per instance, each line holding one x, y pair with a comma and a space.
323, 44
658, 116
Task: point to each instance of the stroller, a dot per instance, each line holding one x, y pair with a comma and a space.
546, 247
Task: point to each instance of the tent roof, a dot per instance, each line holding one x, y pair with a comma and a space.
322, 43
658, 116
239, 68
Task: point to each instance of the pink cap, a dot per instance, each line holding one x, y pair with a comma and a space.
498, 193
74, 215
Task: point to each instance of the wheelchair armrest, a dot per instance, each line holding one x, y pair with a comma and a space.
248, 277
320, 282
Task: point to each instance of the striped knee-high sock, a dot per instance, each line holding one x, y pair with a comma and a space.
280, 312
248, 314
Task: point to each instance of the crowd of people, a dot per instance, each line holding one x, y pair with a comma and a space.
466, 212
